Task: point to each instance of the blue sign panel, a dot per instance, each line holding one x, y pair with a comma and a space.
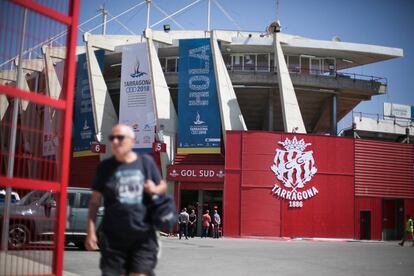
83, 125
412, 113
199, 129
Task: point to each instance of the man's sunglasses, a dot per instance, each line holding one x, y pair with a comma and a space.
120, 138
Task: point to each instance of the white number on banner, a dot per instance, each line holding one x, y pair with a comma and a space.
97, 148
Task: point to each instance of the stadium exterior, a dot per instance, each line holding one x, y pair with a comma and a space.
279, 169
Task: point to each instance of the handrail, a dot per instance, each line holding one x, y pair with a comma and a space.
307, 71
381, 117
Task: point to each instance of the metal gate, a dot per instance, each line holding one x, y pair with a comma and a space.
37, 71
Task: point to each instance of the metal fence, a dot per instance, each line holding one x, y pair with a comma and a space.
37, 71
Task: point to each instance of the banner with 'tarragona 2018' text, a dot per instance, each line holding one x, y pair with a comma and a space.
136, 107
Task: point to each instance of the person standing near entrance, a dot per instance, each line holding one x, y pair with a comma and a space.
192, 224
216, 222
409, 230
206, 224
183, 219
126, 182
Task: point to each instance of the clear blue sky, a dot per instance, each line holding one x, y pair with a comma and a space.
379, 22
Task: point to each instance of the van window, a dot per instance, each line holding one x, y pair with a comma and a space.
84, 200
71, 199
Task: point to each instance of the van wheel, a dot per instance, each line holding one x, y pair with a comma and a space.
19, 235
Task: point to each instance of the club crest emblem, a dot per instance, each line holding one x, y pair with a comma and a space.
294, 167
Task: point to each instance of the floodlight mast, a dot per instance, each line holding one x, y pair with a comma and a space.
209, 16
148, 13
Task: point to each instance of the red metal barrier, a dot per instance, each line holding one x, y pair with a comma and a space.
37, 73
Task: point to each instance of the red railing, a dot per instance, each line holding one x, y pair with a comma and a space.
36, 99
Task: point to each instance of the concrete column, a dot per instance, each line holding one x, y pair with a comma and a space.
166, 116
7, 76
4, 104
292, 118
104, 114
53, 86
334, 125
230, 113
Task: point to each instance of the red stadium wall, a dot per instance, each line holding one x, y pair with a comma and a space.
82, 171
256, 211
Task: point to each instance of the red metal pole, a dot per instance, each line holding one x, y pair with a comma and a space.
67, 134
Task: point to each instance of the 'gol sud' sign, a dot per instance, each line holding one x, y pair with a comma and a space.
294, 167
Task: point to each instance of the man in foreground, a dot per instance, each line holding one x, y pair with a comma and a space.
126, 182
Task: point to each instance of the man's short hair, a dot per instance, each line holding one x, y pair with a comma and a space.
127, 129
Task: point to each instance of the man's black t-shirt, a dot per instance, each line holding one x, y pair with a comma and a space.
122, 186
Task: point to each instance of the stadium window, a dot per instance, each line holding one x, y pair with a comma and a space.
262, 62
227, 61
162, 62
329, 66
237, 62
171, 65
249, 62
294, 66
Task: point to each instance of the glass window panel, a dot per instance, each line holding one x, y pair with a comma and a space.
293, 65
162, 62
249, 62
263, 62
315, 68
237, 62
329, 66
171, 65
304, 64
71, 199
272, 63
227, 61
177, 63
84, 200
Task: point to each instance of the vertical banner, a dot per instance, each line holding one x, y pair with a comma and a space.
83, 125
199, 129
136, 107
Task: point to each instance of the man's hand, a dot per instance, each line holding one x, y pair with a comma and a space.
91, 242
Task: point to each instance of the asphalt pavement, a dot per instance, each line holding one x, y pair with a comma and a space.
228, 256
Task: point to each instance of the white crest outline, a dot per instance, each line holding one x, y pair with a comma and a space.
294, 166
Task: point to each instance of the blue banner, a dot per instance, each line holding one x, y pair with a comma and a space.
199, 129
83, 125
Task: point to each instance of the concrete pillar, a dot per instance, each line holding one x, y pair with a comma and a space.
4, 104
166, 116
53, 86
230, 113
7, 76
292, 118
334, 125
103, 109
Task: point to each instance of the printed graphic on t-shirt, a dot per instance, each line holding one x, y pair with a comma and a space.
129, 186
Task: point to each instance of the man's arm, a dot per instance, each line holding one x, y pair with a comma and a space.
151, 188
91, 242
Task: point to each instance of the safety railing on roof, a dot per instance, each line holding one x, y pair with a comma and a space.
396, 120
306, 71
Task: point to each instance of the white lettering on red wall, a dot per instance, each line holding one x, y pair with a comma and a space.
294, 167
196, 173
